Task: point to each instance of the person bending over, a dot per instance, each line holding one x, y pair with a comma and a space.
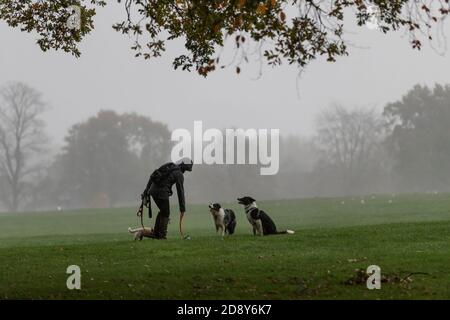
159, 187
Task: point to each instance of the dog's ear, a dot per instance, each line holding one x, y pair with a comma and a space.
251, 199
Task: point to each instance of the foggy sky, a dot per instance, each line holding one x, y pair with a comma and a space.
107, 76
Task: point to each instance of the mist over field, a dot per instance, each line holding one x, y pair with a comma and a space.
372, 122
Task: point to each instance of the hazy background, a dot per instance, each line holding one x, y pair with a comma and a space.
380, 69
107, 76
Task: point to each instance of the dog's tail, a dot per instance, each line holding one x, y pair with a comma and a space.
286, 232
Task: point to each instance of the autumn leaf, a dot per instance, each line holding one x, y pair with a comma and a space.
262, 9
241, 3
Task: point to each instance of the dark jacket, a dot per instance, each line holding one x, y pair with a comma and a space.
163, 190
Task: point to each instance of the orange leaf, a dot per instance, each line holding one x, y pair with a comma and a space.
262, 8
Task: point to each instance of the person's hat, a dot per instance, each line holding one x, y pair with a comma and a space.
185, 164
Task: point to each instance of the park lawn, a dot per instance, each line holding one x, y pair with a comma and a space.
401, 234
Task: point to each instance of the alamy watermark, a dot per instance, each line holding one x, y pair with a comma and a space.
74, 20
233, 146
373, 22
74, 280
374, 279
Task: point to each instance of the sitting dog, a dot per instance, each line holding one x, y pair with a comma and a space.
139, 233
261, 222
224, 219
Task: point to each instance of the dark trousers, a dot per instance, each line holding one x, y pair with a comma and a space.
163, 206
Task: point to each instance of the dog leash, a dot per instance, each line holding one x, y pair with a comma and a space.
140, 213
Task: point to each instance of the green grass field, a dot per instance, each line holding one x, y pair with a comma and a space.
334, 237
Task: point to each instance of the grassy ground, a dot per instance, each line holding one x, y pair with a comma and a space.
402, 235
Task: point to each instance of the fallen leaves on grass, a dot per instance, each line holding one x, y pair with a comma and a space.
308, 287
361, 276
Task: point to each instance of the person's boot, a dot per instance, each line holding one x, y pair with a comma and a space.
155, 232
160, 229
157, 223
164, 222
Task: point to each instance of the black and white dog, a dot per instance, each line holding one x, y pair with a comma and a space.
261, 222
224, 219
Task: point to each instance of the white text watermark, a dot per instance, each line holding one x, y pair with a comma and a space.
374, 280
74, 20
74, 280
231, 146
373, 22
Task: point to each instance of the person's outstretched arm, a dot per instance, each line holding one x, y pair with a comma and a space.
180, 192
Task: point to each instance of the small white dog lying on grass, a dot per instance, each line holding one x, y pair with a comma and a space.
139, 233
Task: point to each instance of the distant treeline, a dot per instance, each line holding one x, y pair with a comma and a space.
107, 159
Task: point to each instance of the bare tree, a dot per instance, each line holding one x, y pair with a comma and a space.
22, 140
349, 141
